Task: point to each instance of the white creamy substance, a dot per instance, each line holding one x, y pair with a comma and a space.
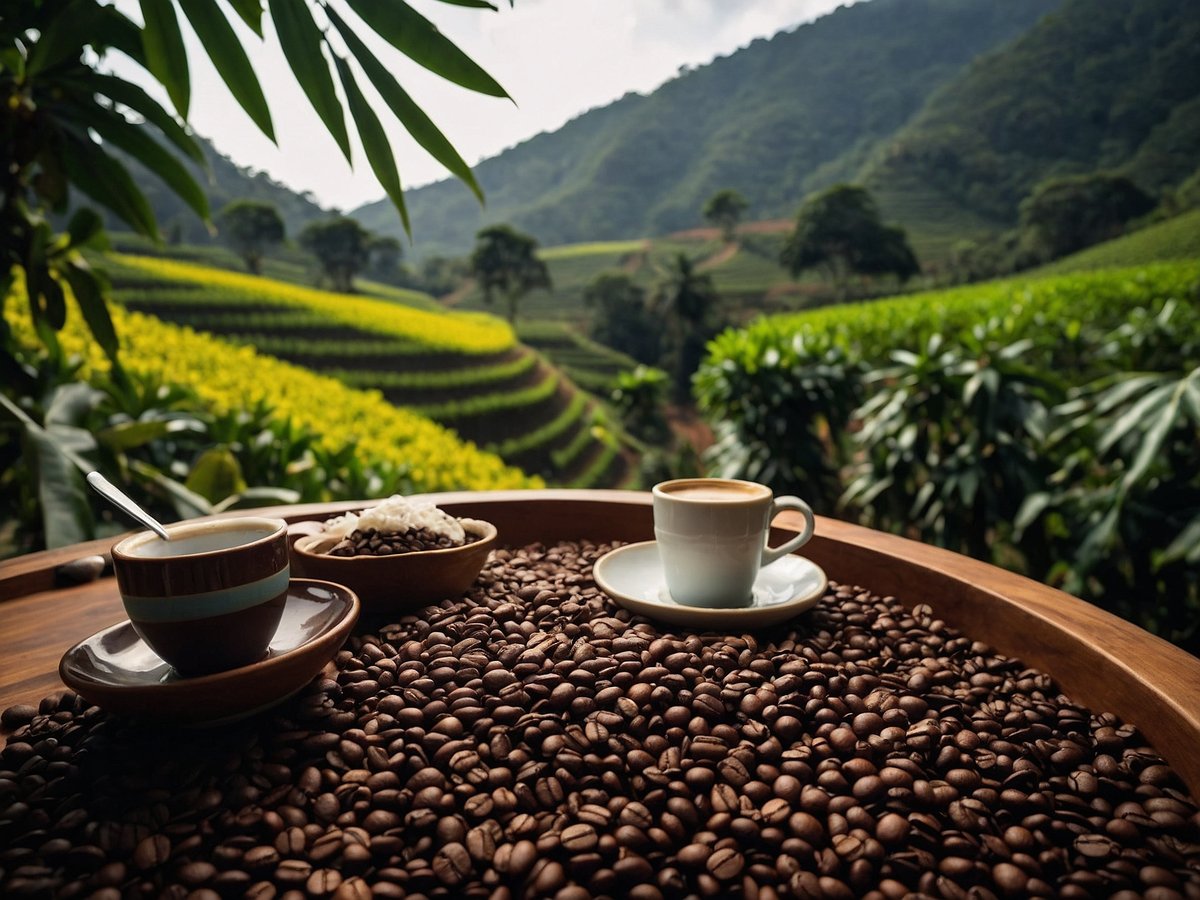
398, 513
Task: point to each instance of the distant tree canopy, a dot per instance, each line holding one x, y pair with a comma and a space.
384, 254
686, 299
840, 230
250, 228
725, 210
621, 319
1067, 214
341, 246
505, 260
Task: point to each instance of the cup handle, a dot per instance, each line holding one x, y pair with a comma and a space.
770, 554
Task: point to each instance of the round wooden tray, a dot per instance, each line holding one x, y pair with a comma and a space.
1096, 658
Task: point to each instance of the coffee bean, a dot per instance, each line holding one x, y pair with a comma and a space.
452, 864
725, 864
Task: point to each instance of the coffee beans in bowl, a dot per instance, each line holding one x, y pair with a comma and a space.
401, 554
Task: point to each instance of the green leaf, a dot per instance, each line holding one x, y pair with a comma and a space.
62, 494
216, 475
301, 41
374, 141
108, 183
166, 56
411, 116
187, 504
225, 50
130, 435
70, 404
137, 142
1154, 439
251, 12
1031, 509
55, 309
90, 290
129, 94
117, 31
252, 498
69, 30
474, 4
419, 39
1135, 417
1186, 545
85, 228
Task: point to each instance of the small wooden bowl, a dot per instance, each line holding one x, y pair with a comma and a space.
403, 582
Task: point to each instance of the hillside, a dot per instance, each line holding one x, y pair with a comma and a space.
774, 120
224, 182
1100, 84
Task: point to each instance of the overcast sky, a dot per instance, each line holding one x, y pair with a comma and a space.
556, 58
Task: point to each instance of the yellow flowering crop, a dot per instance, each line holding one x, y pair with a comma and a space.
462, 331
229, 378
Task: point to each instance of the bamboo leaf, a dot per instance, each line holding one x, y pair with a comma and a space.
225, 50
301, 41
474, 4
118, 32
166, 56
251, 13
62, 494
410, 115
419, 39
137, 142
129, 94
375, 142
108, 183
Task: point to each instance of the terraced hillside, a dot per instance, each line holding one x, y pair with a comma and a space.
464, 371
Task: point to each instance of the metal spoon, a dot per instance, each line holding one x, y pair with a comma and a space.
121, 500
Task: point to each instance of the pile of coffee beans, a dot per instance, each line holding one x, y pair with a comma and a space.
387, 543
533, 740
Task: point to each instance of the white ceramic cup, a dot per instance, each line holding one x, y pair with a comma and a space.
712, 537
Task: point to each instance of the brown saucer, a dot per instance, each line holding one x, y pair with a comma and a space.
117, 671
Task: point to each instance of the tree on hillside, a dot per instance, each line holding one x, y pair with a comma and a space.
686, 299
384, 254
621, 318
840, 231
505, 260
63, 113
725, 210
1063, 215
250, 228
341, 247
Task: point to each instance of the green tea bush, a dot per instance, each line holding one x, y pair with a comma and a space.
1051, 425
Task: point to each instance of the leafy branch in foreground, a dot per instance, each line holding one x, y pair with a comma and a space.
61, 115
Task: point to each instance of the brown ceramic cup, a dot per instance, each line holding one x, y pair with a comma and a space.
209, 599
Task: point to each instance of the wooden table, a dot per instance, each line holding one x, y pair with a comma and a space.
1096, 658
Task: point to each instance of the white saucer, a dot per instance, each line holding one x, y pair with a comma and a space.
632, 575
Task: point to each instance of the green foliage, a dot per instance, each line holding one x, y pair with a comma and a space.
621, 317
840, 230
1177, 238
777, 120
640, 396
1052, 425
1095, 86
686, 300
725, 209
251, 228
1063, 215
342, 246
505, 260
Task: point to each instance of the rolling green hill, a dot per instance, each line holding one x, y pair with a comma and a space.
774, 120
1174, 239
1099, 84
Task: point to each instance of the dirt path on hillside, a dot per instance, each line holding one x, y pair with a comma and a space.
456, 296
722, 256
